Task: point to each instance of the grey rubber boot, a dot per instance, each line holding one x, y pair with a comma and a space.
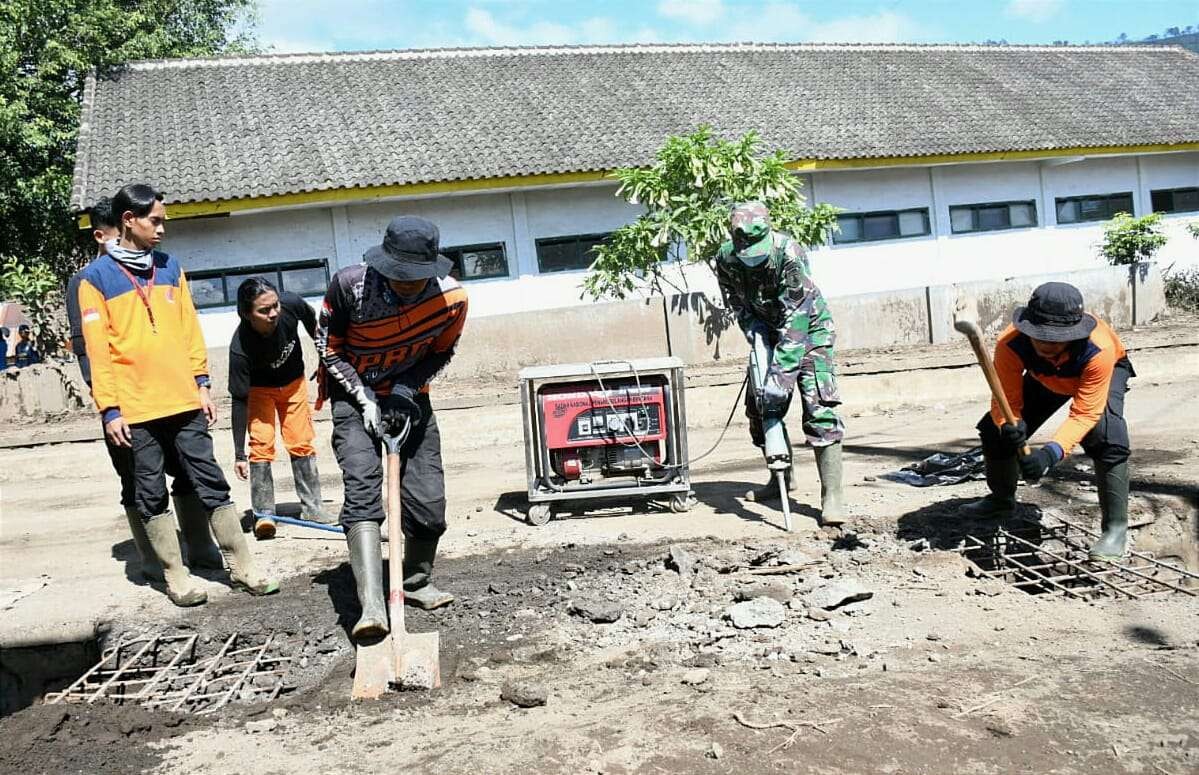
308, 487
202, 552
418, 575
366, 559
182, 588
243, 571
150, 568
1112, 482
1000, 503
262, 499
828, 465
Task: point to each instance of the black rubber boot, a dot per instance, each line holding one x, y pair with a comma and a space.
418, 574
1112, 482
182, 588
150, 568
366, 559
262, 500
202, 552
1002, 476
308, 488
828, 464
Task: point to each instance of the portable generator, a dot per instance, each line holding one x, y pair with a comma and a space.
610, 429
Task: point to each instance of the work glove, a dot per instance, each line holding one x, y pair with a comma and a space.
759, 328
1013, 437
772, 401
1034, 466
399, 410
371, 417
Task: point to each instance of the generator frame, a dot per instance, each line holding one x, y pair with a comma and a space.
543, 493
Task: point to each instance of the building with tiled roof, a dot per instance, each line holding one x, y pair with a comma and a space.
952, 163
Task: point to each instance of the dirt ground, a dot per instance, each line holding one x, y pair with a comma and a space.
935, 671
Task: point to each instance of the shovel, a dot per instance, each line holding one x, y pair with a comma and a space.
400, 659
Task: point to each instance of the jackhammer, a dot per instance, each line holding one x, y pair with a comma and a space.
778, 456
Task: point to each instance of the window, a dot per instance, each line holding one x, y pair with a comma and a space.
563, 254
1095, 207
218, 287
477, 262
992, 216
1175, 200
891, 224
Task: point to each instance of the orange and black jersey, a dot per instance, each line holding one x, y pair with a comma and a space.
368, 336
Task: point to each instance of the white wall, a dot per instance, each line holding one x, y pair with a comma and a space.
518, 218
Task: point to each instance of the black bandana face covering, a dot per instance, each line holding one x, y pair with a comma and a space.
139, 260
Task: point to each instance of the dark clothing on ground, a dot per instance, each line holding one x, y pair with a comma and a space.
1107, 442
273, 361
187, 435
422, 488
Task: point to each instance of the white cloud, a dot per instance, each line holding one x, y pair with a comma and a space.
1033, 10
492, 31
698, 12
782, 22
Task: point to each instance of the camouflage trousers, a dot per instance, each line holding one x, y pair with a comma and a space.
819, 397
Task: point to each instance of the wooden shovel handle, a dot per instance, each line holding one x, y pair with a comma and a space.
975, 336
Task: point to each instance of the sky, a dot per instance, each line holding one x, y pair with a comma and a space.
288, 26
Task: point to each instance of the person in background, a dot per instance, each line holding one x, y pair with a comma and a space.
26, 353
150, 385
266, 378
200, 551
4, 332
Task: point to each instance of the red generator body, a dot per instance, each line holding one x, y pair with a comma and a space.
605, 430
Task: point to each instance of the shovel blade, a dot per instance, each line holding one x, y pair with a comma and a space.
418, 662
374, 669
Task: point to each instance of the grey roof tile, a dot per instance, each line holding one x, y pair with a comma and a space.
215, 129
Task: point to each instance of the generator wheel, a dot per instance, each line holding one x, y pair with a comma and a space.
538, 514
682, 503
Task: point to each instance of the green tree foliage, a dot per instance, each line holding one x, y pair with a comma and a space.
47, 48
1127, 240
687, 194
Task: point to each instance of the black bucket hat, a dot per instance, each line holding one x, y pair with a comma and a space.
1054, 314
409, 251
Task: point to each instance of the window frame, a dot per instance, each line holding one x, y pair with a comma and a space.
479, 246
1109, 213
928, 226
974, 207
563, 240
1172, 191
265, 270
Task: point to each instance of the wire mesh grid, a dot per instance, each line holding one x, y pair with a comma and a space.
169, 672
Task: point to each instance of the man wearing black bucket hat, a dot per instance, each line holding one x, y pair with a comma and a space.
387, 327
1052, 353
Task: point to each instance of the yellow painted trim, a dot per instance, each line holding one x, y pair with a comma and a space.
331, 196
817, 165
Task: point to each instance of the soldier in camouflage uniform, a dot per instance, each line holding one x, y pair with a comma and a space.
767, 283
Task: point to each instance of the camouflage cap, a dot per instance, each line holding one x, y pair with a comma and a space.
752, 219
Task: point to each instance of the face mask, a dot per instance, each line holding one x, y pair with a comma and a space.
129, 257
753, 261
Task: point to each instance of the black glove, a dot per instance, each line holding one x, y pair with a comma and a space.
772, 401
1013, 437
398, 409
1034, 466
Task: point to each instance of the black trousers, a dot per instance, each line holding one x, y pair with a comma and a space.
186, 438
122, 463
1108, 441
360, 455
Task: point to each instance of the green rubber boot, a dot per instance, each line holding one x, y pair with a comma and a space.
202, 552
1000, 503
150, 568
828, 465
366, 558
1112, 482
418, 574
243, 571
182, 588
262, 499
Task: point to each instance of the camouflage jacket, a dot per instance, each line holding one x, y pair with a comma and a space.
781, 295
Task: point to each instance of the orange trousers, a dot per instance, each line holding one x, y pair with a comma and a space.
290, 403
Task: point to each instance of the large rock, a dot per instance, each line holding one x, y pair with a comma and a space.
597, 611
775, 590
524, 694
681, 560
759, 612
837, 593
